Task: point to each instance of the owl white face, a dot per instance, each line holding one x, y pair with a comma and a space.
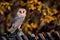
21, 12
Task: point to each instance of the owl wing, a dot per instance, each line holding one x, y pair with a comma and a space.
17, 22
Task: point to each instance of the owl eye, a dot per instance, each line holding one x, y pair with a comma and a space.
23, 11
20, 12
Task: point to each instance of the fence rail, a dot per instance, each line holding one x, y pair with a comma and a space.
48, 36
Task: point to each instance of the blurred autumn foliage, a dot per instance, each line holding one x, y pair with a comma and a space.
42, 15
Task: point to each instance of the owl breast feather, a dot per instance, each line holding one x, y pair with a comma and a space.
16, 23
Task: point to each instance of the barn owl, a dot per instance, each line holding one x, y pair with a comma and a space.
18, 20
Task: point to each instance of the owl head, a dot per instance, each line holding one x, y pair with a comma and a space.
21, 12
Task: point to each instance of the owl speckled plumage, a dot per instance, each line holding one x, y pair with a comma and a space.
18, 20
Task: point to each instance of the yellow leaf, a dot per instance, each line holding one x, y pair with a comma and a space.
31, 1
7, 3
34, 25
29, 32
8, 24
55, 11
39, 3
9, 8
48, 19
1, 12
35, 1
44, 12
